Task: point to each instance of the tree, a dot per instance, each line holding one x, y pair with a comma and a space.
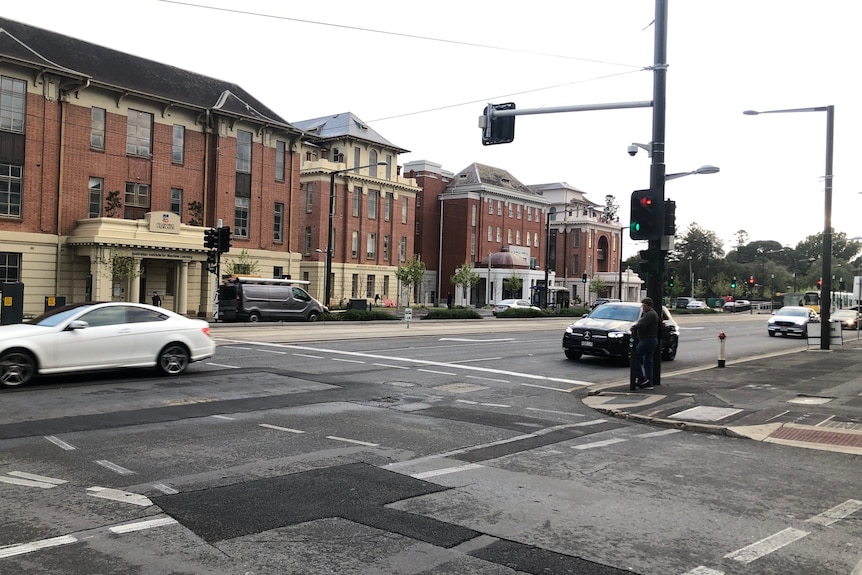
598, 286
512, 286
612, 208
465, 278
410, 274
242, 265
112, 203
196, 213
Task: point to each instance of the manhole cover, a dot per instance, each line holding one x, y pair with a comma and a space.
810, 400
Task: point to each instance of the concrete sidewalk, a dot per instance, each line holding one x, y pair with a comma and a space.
810, 399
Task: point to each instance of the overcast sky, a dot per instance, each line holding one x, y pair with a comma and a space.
423, 84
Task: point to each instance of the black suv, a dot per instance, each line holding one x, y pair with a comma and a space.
606, 332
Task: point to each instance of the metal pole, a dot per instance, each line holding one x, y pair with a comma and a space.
657, 168
327, 272
620, 267
825, 310
546, 291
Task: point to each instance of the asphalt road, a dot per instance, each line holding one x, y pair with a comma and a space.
421, 453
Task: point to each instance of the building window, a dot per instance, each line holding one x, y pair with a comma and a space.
404, 208
243, 152
371, 246
354, 285
509, 236
137, 201
490, 207
357, 201
309, 197
13, 98
577, 241
387, 207
517, 237
241, 217
472, 244
576, 264
372, 163
357, 159
97, 128
372, 204
10, 190
177, 202
473, 215
369, 285
529, 214
10, 267
536, 240
499, 235
511, 211
490, 233
280, 153
385, 285
354, 244
528, 239
499, 207
388, 166
386, 248
139, 134
277, 272
402, 249
178, 145
519, 211
308, 240
97, 191
278, 222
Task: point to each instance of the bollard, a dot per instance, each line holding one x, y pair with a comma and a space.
721, 338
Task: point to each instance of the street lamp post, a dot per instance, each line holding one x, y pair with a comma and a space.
547, 291
330, 247
826, 288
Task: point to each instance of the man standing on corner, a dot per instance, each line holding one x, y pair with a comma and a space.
646, 330
157, 299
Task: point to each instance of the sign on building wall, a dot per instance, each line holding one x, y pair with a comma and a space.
164, 222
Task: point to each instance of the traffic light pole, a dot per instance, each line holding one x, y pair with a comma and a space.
656, 250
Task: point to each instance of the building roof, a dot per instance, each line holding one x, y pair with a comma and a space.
480, 175
344, 125
41, 49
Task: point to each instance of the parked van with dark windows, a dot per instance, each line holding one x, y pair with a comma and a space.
260, 299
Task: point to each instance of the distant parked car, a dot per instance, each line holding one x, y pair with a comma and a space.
694, 304
737, 305
505, 304
682, 302
791, 320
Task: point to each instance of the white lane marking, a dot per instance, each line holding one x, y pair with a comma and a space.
166, 489
467, 401
477, 360
837, 513
495, 405
114, 467
659, 433
23, 548
309, 355
279, 428
472, 340
437, 372
141, 525
345, 360
356, 441
274, 351
26, 482
533, 376
701, 570
223, 417
766, 546
223, 365
599, 443
238, 347
546, 387
118, 495
446, 471
390, 366
35, 477
555, 411
60, 443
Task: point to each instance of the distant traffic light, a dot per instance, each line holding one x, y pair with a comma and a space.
733, 283
645, 216
669, 218
224, 239
670, 281
210, 239
497, 129
751, 280
820, 283
584, 277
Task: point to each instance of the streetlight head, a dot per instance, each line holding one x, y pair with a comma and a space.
707, 169
751, 112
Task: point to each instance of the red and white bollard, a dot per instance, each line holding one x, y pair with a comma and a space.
721, 338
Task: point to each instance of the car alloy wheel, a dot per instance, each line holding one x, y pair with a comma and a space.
173, 359
16, 368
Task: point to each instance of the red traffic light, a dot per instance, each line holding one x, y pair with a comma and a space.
751, 280
646, 202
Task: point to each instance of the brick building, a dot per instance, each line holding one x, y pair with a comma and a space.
111, 165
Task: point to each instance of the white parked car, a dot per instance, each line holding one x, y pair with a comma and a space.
694, 304
505, 304
92, 336
791, 320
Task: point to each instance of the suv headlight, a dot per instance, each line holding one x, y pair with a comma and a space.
570, 330
616, 334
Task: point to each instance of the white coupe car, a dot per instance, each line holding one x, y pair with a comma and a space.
92, 336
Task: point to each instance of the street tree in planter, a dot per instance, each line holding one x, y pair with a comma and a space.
465, 278
410, 274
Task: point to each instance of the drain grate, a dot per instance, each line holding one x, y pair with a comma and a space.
807, 435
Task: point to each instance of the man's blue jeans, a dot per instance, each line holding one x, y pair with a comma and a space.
644, 354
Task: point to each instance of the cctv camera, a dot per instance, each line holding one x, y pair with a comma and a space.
632, 150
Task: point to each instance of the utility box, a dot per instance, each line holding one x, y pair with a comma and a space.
53, 301
12, 303
357, 304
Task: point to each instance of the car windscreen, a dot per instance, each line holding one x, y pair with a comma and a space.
621, 313
794, 312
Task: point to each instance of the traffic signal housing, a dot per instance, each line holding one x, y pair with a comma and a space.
224, 239
751, 280
584, 277
211, 239
645, 216
733, 283
497, 129
670, 281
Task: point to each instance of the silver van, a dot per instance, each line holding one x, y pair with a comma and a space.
257, 299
